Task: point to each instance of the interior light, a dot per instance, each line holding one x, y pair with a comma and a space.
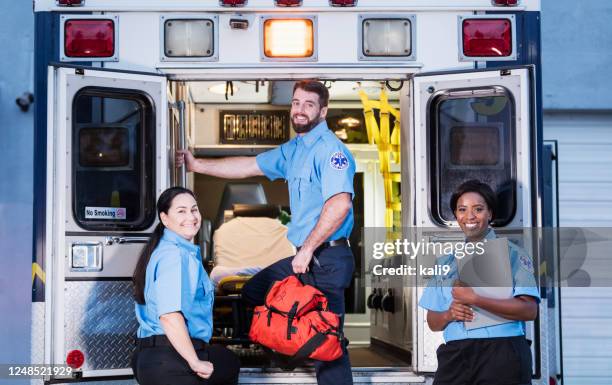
288, 38
349, 122
189, 38
89, 38
487, 37
387, 37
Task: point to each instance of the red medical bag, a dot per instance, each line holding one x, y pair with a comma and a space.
295, 322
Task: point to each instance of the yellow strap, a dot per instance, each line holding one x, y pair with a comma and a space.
37, 271
387, 144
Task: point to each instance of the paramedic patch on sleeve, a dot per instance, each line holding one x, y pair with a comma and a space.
526, 263
338, 161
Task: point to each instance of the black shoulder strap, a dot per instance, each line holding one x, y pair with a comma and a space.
307, 349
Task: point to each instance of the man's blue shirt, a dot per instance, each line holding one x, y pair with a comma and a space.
437, 295
176, 282
316, 167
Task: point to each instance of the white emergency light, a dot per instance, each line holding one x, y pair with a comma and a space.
387, 38
189, 38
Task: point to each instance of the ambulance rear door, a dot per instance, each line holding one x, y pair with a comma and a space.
108, 160
474, 124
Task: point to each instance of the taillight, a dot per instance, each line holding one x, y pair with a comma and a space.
75, 359
85, 38
288, 3
70, 3
505, 3
487, 37
233, 3
343, 3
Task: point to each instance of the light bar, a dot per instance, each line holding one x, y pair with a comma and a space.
233, 3
70, 3
505, 3
189, 38
288, 3
343, 3
288, 38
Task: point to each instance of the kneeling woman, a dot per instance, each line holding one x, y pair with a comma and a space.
497, 354
174, 299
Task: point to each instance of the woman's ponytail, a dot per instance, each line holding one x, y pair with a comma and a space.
141, 267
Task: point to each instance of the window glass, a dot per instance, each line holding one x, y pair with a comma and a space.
113, 140
473, 137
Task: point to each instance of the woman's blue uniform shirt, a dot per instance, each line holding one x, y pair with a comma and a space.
317, 166
176, 282
437, 295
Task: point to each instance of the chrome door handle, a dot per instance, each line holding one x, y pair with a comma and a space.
110, 240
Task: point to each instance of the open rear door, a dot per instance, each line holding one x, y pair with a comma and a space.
107, 163
477, 124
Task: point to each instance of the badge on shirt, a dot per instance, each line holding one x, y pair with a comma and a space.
526, 263
338, 161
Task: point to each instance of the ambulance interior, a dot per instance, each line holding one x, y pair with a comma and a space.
238, 118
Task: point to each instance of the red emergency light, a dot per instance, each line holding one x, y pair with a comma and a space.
487, 37
505, 3
288, 3
233, 3
75, 359
89, 38
70, 3
343, 3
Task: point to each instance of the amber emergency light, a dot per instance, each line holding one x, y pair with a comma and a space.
288, 38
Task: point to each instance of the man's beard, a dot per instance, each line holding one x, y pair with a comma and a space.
306, 127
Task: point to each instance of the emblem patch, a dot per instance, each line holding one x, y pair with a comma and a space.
526, 263
338, 161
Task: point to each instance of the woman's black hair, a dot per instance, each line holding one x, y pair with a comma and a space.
478, 187
163, 205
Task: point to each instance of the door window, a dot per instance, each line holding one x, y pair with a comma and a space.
113, 137
472, 136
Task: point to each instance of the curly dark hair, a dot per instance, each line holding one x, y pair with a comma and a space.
478, 187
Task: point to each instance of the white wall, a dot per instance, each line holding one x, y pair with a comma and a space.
585, 200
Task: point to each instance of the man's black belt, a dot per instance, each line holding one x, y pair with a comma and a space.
334, 243
162, 340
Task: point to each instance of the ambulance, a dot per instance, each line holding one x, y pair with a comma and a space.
425, 93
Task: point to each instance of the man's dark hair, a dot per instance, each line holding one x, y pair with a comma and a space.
478, 187
314, 86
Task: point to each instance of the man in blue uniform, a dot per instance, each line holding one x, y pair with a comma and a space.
319, 171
